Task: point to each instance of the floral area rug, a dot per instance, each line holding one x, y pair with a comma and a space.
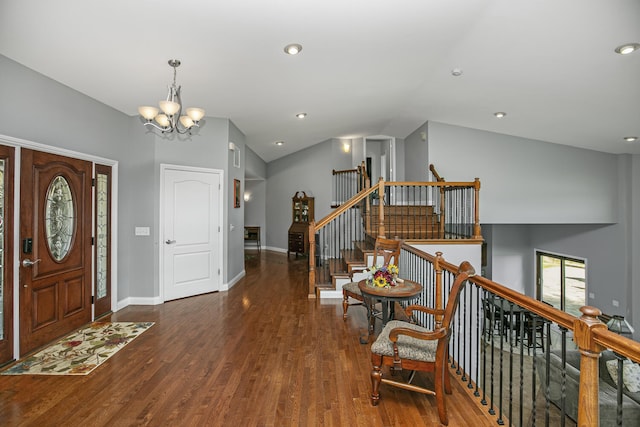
82, 351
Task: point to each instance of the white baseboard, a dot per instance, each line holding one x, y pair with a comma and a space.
138, 301
331, 294
271, 248
227, 286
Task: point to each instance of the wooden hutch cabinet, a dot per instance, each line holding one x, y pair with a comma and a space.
302, 215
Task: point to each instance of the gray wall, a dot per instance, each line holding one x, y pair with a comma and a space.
61, 117
522, 178
255, 167
633, 249
235, 219
256, 185
416, 156
309, 170
254, 208
566, 200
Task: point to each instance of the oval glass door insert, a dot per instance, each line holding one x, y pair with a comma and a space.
59, 218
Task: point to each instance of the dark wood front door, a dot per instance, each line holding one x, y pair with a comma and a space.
55, 247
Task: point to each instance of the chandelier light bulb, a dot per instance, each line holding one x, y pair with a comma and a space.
195, 114
170, 108
162, 120
148, 112
186, 121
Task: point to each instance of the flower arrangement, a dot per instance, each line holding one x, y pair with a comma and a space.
383, 276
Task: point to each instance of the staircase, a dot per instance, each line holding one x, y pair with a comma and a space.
407, 222
341, 243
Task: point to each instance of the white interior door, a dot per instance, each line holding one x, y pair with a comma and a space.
191, 238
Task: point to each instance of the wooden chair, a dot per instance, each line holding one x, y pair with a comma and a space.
389, 250
403, 345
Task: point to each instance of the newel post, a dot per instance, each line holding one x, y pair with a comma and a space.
312, 259
477, 231
588, 406
438, 285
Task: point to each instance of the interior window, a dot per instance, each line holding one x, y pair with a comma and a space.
561, 281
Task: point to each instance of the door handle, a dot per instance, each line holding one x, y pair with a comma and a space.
28, 263
170, 242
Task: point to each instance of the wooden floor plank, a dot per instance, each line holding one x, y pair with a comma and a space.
261, 354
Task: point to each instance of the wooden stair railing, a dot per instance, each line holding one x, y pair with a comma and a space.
381, 218
347, 183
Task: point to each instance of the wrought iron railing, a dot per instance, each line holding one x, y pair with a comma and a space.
525, 361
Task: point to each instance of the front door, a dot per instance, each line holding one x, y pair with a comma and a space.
191, 232
55, 247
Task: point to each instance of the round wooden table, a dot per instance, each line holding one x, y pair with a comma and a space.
405, 291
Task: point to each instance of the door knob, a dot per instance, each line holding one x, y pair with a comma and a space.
170, 242
29, 263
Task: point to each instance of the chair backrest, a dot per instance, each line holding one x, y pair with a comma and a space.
465, 270
388, 249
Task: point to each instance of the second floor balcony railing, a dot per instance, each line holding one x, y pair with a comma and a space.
526, 362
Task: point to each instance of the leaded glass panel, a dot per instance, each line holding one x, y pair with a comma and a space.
59, 218
102, 230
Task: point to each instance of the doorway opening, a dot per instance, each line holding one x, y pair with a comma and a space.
561, 281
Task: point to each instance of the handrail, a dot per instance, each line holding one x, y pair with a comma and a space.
621, 345
344, 207
435, 173
337, 172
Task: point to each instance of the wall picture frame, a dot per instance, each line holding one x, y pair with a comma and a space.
236, 193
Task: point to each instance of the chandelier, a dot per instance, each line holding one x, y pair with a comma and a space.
171, 118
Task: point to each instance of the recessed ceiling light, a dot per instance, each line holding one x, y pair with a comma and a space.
499, 114
293, 49
301, 115
279, 143
627, 48
630, 138
456, 72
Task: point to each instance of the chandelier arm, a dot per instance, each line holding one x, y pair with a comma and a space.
150, 123
174, 126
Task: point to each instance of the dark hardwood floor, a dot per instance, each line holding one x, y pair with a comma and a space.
261, 354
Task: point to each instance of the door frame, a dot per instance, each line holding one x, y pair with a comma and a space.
161, 238
18, 144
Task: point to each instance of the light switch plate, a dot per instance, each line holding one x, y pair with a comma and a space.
143, 231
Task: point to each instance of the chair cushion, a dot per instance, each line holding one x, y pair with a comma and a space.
408, 347
352, 287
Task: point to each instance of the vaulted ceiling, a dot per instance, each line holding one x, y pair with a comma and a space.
367, 67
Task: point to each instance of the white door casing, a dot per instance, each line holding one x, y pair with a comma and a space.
191, 241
